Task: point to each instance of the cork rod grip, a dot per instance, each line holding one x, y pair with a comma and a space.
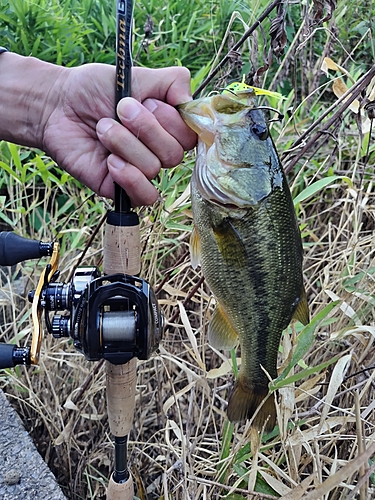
121, 255
121, 381
121, 250
122, 491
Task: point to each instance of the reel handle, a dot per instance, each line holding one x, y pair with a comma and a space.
15, 248
11, 355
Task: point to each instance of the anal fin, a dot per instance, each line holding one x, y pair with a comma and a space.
302, 310
221, 334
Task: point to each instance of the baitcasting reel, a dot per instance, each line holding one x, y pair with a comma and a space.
115, 317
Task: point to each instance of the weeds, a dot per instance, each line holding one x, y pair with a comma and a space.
182, 445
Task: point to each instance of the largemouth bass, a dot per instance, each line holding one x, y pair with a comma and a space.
248, 243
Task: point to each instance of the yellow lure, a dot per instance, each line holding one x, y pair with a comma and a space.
241, 86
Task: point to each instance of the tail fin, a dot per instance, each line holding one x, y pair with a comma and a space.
245, 400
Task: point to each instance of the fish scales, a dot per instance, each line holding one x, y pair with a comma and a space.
249, 246
259, 292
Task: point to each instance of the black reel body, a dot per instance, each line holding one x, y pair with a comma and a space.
115, 317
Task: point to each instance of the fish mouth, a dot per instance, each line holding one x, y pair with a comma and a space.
230, 181
199, 117
229, 207
202, 115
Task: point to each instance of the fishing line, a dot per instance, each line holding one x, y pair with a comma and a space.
234, 15
66, 220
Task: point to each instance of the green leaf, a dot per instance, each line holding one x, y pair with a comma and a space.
199, 76
317, 186
240, 470
279, 383
6, 219
10, 171
304, 342
234, 363
14, 151
372, 477
261, 486
225, 449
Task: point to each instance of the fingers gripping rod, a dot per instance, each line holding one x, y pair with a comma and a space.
121, 254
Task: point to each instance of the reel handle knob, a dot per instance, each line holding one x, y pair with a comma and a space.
11, 355
15, 248
6, 355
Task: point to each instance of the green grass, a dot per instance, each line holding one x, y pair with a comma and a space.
181, 443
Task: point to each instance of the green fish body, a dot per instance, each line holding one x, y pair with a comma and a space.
248, 243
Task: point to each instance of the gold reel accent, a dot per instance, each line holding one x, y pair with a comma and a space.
37, 308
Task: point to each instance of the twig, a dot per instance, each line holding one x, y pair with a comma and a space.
361, 482
360, 443
333, 481
315, 409
82, 389
349, 96
188, 297
236, 46
91, 239
169, 272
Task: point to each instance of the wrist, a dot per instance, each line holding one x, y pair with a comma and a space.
28, 95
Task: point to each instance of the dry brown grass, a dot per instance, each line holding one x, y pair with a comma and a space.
181, 446
177, 445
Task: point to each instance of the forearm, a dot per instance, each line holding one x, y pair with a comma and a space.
27, 97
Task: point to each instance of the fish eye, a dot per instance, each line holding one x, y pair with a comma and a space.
260, 130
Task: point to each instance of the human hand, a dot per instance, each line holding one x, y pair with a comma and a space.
83, 137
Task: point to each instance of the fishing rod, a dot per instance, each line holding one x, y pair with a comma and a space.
112, 316
122, 254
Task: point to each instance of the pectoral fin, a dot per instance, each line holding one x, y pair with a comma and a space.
302, 310
195, 249
221, 334
230, 244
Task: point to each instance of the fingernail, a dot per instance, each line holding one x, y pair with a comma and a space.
150, 104
129, 109
104, 125
116, 162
